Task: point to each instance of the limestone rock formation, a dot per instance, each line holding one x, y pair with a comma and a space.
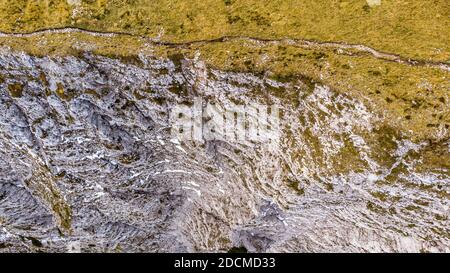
89, 161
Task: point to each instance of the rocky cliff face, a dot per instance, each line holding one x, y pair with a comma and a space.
89, 163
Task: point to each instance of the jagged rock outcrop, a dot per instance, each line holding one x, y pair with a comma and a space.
88, 163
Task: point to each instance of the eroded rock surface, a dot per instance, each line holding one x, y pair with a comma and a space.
88, 163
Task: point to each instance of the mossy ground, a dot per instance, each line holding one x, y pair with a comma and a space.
413, 28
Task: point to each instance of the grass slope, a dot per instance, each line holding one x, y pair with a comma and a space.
413, 28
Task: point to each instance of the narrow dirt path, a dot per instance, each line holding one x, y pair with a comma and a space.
295, 42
